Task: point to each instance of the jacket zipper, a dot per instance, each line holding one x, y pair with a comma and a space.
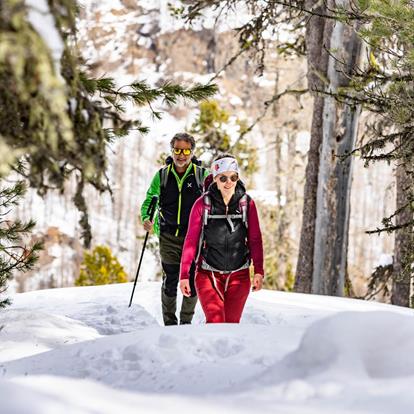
180, 183
179, 211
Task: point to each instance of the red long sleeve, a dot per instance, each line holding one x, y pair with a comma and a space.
192, 238
254, 236
190, 247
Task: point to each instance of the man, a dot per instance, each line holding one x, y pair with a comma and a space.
178, 185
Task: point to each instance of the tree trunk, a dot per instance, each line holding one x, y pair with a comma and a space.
317, 64
324, 240
404, 242
340, 126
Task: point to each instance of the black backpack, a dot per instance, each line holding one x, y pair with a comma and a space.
243, 207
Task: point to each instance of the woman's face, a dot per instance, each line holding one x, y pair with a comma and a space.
226, 182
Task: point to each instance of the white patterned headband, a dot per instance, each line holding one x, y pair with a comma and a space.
224, 165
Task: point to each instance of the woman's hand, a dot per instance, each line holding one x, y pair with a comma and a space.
185, 287
257, 282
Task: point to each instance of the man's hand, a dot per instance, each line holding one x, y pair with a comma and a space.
257, 282
185, 287
148, 225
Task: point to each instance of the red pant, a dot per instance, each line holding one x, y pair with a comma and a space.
223, 296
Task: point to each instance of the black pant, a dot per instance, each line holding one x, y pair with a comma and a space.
171, 277
169, 297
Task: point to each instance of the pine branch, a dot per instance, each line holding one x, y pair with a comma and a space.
9, 196
389, 227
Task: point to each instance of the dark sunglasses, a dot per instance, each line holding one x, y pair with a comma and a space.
178, 151
224, 178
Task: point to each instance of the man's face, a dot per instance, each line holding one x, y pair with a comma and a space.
183, 158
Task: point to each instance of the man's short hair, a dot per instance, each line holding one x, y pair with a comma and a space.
183, 136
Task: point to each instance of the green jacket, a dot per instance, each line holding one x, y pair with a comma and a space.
155, 189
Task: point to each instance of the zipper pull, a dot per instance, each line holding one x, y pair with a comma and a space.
227, 210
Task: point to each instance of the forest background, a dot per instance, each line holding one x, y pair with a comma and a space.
91, 95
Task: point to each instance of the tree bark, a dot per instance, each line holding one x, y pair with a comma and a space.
324, 240
317, 58
340, 126
404, 242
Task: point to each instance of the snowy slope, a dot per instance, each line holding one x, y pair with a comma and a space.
81, 350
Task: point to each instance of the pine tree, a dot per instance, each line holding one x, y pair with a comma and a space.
60, 124
15, 255
331, 50
383, 87
100, 267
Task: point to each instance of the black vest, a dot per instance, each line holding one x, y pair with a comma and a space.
171, 219
224, 249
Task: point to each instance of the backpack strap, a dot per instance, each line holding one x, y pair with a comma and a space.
243, 205
206, 207
164, 176
206, 214
199, 176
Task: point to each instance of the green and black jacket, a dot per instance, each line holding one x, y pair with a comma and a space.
175, 198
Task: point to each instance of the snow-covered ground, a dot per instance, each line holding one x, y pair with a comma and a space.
82, 350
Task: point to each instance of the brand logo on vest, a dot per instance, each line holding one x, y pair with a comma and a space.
189, 185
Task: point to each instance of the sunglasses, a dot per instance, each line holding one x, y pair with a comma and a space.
224, 178
178, 151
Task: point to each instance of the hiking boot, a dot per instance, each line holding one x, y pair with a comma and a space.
187, 310
169, 306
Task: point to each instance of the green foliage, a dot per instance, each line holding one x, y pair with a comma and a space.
15, 255
278, 251
212, 126
161, 159
32, 97
386, 87
60, 124
100, 267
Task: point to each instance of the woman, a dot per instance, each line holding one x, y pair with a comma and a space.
223, 237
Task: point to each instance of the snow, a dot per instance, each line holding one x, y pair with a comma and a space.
82, 350
235, 100
303, 142
268, 197
385, 260
264, 82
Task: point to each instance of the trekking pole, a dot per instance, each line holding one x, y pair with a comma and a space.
150, 211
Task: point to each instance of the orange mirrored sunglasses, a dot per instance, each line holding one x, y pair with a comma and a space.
178, 151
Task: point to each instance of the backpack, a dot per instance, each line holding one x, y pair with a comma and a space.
243, 207
198, 173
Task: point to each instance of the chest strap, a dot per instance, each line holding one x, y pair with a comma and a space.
228, 217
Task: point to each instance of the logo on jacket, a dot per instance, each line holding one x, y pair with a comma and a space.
189, 185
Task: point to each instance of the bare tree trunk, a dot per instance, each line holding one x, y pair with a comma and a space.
404, 244
324, 240
317, 68
340, 126
278, 146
